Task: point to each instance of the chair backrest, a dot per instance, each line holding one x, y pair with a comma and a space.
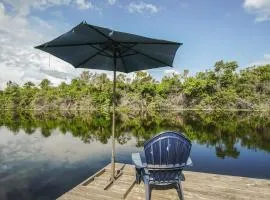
168, 150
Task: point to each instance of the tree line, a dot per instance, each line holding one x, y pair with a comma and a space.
223, 87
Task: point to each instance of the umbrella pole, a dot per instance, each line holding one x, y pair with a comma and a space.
113, 124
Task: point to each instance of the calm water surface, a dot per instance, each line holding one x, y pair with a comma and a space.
44, 155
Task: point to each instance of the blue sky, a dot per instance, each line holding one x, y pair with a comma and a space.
211, 30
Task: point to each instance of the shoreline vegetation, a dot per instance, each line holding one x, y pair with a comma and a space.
222, 88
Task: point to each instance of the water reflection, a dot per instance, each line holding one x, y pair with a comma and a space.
222, 130
46, 154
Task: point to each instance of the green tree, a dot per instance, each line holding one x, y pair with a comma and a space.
44, 84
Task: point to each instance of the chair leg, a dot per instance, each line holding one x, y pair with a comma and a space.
147, 191
180, 190
138, 176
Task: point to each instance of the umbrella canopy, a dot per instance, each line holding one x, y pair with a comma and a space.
93, 47
88, 46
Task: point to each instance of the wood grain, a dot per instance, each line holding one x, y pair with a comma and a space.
198, 186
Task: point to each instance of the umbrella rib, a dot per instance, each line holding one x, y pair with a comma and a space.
105, 53
98, 31
126, 55
82, 44
123, 52
69, 45
152, 58
89, 58
168, 43
95, 43
124, 64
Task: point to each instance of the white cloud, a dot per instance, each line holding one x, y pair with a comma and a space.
83, 4
19, 61
42, 23
267, 56
2, 9
111, 2
56, 147
260, 8
169, 72
23, 63
44, 4
23, 8
264, 61
142, 7
58, 14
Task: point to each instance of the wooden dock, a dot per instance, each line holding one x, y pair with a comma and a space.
196, 186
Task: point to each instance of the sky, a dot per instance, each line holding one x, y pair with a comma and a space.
210, 30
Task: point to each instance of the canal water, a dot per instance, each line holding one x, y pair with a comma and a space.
43, 155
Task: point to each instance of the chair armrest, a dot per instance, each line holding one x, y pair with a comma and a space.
139, 166
137, 161
189, 162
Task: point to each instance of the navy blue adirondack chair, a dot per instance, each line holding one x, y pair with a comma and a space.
166, 155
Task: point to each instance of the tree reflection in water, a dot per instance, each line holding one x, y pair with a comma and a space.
222, 130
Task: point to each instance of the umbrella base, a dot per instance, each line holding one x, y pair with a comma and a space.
112, 180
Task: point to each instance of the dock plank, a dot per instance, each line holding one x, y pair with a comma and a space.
199, 186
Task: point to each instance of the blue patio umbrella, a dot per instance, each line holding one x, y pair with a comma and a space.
93, 47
